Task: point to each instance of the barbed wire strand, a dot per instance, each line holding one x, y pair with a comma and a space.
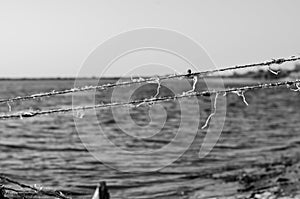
56, 194
135, 103
277, 61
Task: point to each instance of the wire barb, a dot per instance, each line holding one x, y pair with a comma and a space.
195, 80
241, 94
158, 87
9, 107
274, 72
212, 114
297, 87
140, 80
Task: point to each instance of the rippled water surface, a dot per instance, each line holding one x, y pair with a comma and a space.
48, 151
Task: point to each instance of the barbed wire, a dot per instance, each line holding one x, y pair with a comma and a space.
56, 194
136, 103
277, 61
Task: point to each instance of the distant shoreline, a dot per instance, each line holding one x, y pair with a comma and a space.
54, 78
73, 78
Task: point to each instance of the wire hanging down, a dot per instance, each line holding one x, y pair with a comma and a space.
277, 61
149, 100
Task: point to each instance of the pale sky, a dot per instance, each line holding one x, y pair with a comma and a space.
50, 38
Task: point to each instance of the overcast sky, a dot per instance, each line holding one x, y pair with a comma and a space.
50, 38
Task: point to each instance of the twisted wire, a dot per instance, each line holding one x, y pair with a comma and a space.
148, 101
277, 61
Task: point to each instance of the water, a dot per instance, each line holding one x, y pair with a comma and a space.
48, 151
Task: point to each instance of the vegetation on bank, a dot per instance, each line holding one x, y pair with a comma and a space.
269, 74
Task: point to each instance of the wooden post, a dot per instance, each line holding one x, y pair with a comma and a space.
103, 191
